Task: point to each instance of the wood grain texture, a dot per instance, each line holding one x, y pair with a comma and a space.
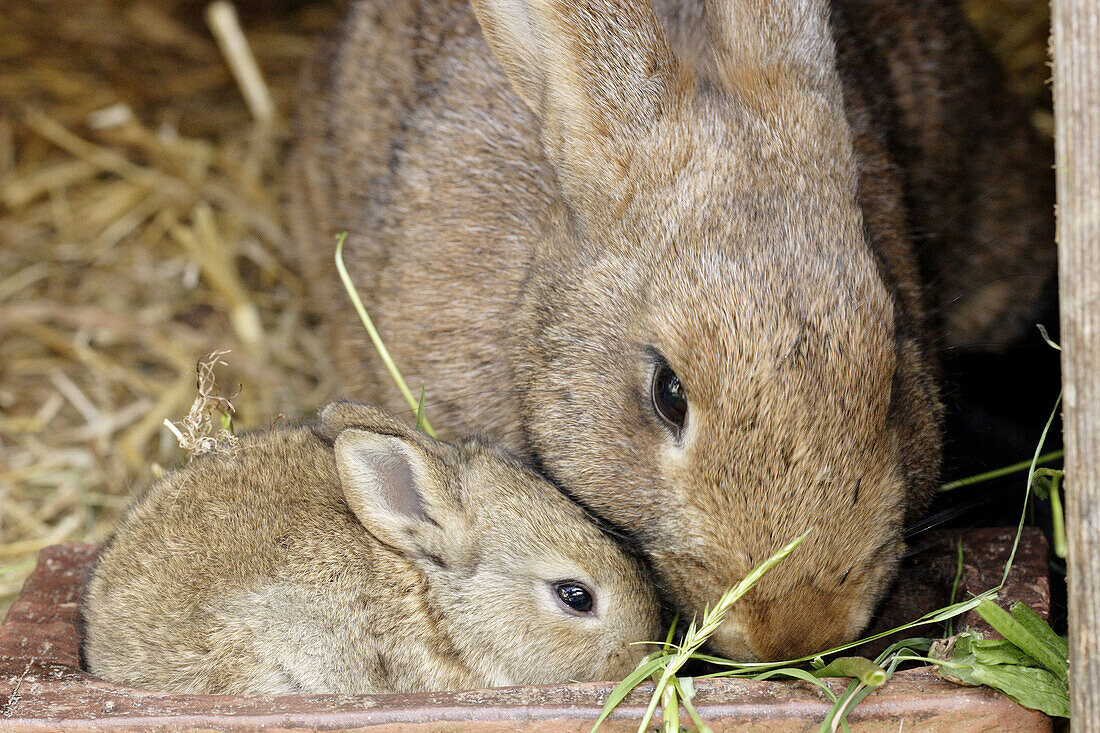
1076, 48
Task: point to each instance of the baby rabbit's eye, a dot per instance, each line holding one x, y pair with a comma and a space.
669, 398
576, 598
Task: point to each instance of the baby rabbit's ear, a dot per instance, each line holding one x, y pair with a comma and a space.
395, 487
339, 416
596, 72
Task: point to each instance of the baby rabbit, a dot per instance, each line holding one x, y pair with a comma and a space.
663, 252
356, 555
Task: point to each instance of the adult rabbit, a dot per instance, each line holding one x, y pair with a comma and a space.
671, 257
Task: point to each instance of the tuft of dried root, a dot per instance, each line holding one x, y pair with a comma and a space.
195, 432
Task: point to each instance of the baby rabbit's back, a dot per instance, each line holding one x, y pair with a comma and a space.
200, 589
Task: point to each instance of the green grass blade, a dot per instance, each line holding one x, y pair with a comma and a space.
368, 324
955, 584
685, 688
1027, 491
856, 691
1046, 337
641, 673
671, 633
798, 674
670, 710
1037, 626
838, 714
651, 709
1000, 651
1032, 687
860, 668
930, 660
1003, 471
890, 658
1008, 627
1057, 517
420, 419
921, 642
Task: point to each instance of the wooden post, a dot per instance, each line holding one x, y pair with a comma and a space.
1076, 48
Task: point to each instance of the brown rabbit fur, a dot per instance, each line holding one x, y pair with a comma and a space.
770, 196
356, 555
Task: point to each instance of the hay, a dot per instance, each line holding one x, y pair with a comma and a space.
140, 229
1016, 32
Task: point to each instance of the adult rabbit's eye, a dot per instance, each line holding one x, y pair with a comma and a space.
574, 596
669, 398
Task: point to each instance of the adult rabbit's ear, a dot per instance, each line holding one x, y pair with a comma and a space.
399, 491
596, 72
779, 58
759, 45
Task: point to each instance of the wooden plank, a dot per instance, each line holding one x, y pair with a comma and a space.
1076, 48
